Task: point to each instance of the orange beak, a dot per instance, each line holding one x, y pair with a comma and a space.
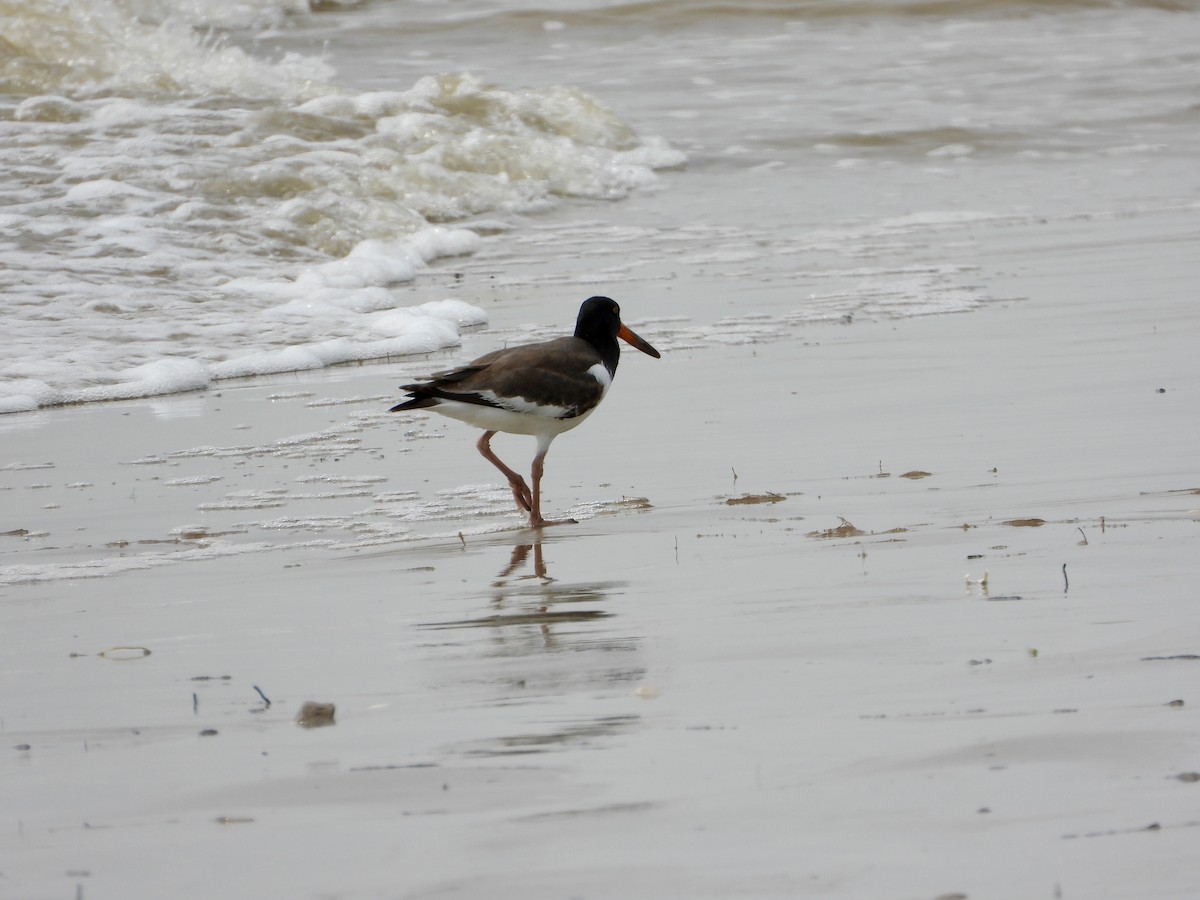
634, 341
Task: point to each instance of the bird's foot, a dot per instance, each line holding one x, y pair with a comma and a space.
539, 522
522, 494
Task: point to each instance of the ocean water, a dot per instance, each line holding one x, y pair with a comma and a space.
192, 191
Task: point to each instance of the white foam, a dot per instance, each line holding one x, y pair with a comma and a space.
25, 395
164, 376
462, 314
193, 213
92, 192
155, 45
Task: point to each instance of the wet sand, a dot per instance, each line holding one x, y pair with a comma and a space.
681, 696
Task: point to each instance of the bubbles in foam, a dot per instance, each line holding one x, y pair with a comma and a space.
178, 210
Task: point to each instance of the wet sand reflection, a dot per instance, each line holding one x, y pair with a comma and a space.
536, 594
549, 655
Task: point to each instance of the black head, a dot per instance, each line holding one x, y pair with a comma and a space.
599, 323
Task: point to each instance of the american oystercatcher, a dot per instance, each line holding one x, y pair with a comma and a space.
539, 389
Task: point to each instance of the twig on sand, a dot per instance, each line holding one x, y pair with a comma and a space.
261, 694
1066, 581
1081, 534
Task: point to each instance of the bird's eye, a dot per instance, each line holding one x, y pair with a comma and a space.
616, 309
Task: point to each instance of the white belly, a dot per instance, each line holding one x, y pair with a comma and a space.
490, 418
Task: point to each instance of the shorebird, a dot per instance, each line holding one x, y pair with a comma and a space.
538, 389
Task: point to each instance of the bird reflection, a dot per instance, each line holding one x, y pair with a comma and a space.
520, 554
539, 643
524, 598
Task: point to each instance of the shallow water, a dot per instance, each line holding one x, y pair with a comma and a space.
229, 189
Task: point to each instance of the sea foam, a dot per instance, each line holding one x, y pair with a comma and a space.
180, 210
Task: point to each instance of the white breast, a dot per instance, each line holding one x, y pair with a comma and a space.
602, 375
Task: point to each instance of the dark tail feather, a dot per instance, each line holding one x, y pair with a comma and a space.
425, 394
419, 399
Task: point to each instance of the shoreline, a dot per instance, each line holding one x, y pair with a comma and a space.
722, 697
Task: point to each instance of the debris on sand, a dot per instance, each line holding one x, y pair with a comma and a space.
315, 715
768, 497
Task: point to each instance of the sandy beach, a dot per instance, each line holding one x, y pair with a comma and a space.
883, 579
893, 609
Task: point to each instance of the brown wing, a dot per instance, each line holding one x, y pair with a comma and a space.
553, 373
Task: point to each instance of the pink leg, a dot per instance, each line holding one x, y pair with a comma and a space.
520, 489
535, 509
